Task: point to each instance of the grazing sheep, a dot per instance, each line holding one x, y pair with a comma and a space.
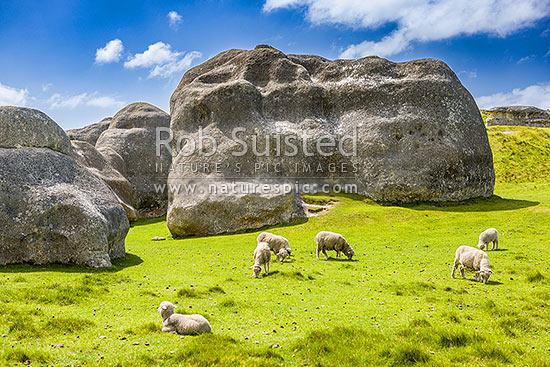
276, 244
486, 237
182, 324
262, 256
333, 241
472, 259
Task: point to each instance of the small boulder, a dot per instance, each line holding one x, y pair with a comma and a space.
518, 116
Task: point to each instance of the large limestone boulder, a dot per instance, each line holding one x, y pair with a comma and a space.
91, 132
132, 136
518, 116
52, 209
100, 165
397, 132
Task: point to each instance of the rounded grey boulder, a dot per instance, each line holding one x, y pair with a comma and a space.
88, 156
26, 127
90, 133
132, 136
52, 209
401, 132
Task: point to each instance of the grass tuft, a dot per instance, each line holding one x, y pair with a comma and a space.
535, 277
67, 325
188, 293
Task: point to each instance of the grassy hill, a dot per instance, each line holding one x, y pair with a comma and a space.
395, 304
520, 154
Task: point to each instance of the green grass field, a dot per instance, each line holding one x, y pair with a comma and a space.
395, 304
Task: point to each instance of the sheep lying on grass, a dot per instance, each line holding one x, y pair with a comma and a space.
182, 324
278, 244
262, 256
472, 259
486, 237
333, 241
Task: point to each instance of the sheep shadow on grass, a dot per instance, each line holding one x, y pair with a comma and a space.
340, 260
491, 282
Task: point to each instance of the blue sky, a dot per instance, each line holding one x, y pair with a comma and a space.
80, 61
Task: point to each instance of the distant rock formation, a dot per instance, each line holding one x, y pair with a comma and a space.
100, 165
52, 209
400, 132
132, 136
518, 116
91, 132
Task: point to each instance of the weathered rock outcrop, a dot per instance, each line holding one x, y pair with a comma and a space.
91, 132
52, 209
132, 136
518, 116
399, 132
88, 156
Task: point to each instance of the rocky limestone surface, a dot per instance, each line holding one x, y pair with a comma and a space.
399, 132
88, 156
91, 132
132, 136
25, 127
518, 116
52, 209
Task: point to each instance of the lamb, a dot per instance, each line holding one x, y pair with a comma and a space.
472, 259
486, 237
333, 241
262, 256
278, 244
182, 324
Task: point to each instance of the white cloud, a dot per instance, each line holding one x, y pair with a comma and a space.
524, 59
46, 87
161, 60
175, 67
58, 101
468, 73
12, 96
533, 95
112, 52
174, 19
418, 20
104, 102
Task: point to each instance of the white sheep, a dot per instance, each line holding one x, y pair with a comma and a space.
182, 324
262, 256
486, 237
474, 260
333, 241
278, 244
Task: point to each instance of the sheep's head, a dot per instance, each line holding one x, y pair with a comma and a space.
481, 246
282, 254
348, 251
483, 275
256, 269
166, 309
